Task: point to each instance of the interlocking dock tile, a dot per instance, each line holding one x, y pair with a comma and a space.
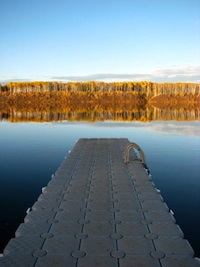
35, 228
25, 244
46, 204
97, 260
165, 229
66, 228
154, 205
98, 211
16, 260
182, 261
139, 260
40, 215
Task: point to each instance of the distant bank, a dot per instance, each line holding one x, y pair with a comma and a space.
150, 89
101, 93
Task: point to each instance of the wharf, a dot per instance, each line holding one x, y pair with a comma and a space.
99, 211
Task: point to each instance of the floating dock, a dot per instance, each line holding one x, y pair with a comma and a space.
100, 208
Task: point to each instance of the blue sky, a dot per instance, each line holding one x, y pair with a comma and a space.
100, 40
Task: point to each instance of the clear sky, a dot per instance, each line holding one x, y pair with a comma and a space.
63, 40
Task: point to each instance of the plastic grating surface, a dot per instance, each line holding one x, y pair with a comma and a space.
98, 211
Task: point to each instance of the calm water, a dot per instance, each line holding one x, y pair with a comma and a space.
31, 152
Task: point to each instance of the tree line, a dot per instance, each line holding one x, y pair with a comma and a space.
145, 88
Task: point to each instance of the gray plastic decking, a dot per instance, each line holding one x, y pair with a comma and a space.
99, 211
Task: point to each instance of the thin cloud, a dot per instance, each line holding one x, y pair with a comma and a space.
5, 81
100, 77
174, 74
171, 74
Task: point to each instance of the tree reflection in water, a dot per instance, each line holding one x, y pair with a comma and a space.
99, 113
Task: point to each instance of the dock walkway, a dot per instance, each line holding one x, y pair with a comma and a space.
98, 211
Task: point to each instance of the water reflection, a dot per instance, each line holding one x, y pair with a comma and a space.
143, 114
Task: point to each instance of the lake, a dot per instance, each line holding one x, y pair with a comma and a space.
31, 151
